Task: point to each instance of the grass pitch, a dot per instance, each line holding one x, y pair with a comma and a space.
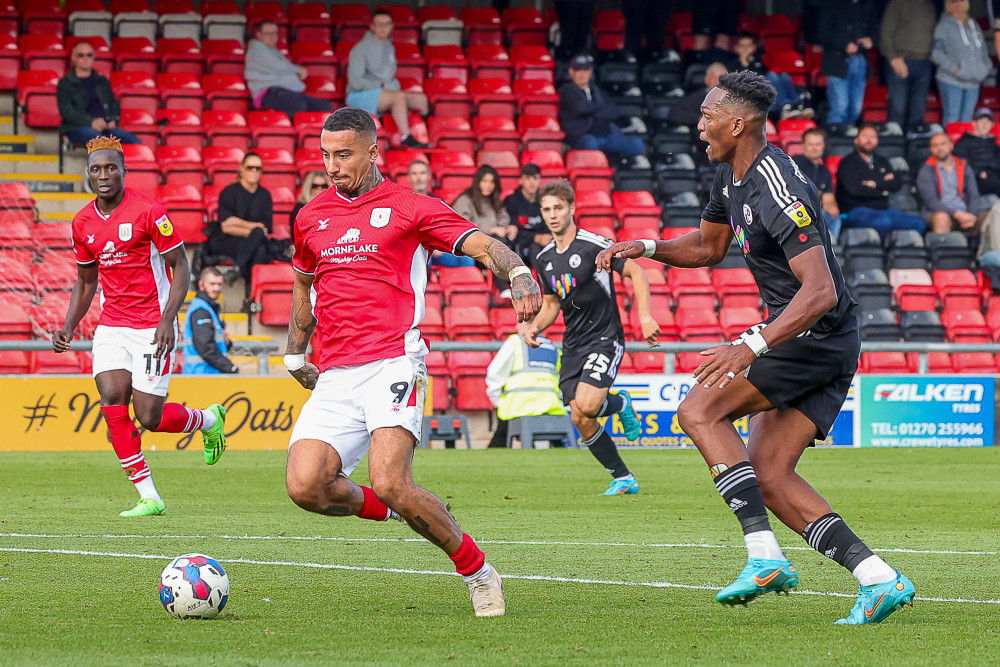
589, 580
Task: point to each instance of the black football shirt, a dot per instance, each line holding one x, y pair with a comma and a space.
776, 215
587, 298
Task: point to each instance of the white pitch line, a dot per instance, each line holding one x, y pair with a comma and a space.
318, 538
395, 570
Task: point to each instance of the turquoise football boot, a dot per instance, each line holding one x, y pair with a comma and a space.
876, 602
630, 419
760, 576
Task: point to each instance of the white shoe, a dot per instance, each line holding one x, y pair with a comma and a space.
486, 594
395, 517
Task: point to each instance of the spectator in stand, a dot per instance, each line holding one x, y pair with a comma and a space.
419, 175
962, 61
206, 341
687, 110
989, 249
315, 182
588, 116
531, 233
948, 190
848, 30
244, 224
789, 102
979, 148
480, 204
371, 79
811, 164
275, 82
714, 21
906, 41
86, 104
646, 18
864, 182
576, 18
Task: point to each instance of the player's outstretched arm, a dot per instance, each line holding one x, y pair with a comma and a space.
815, 298
300, 328
166, 333
501, 260
705, 246
545, 318
643, 301
84, 290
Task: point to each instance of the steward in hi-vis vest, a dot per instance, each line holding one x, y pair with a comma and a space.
522, 381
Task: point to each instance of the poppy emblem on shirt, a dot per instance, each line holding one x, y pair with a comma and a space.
125, 231
574, 261
803, 238
380, 217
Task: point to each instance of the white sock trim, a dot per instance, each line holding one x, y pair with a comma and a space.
147, 489
763, 544
484, 571
208, 419
873, 570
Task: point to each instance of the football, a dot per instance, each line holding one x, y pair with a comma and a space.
194, 586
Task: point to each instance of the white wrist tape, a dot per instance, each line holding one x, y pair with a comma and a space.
294, 362
518, 271
756, 343
650, 247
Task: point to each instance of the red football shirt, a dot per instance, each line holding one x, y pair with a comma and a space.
128, 246
369, 257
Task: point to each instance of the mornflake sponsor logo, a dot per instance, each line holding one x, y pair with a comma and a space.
913, 393
348, 249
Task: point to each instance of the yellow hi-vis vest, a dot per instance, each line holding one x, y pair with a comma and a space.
533, 385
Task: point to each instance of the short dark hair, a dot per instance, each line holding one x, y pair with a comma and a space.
358, 121
415, 163
868, 126
209, 271
749, 89
746, 35
381, 12
530, 169
815, 131
260, 26
560, 188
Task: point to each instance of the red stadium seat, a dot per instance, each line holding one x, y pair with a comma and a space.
10, 62
14, 362
452, 169
493, 97
47, 362
226, 92
491, 61
186, 208
181, 127
913, 289
974, 362
533, 62
451, 133
524, 26
736, 288
54, 275
883, 362
181, 55
698, 324
271, 289
53, 235
591, 204
17, 234
135, 54
649, 362
318, 57
540, 133
432, 326
503, 321
965, 326
448, 97
136, 90
937, 362
272, 129
482, 22
536, 97
496, 133
14, 322
224, 56
957, 289
549, 161
589, 170
181, 90
470, 392
226, 129
692, 289
36, 94
44, 52
181, 165
310, 21
735, 321
470, 323
221, 163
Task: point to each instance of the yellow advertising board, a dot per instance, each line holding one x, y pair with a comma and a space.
63, 413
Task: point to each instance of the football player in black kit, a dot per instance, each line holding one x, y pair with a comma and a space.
594, 341
791, 372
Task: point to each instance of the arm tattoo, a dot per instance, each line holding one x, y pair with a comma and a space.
300, 326
501, 259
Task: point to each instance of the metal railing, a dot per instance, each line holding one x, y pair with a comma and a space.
263, 348
257, 348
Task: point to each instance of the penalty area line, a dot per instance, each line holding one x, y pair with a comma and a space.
395, 570
542, 543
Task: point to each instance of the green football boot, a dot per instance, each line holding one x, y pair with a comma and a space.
215, 437
146, 507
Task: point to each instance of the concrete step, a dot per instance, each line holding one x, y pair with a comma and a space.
18, 144
41, 182
62, 201
6, 124
29, 164
56, 216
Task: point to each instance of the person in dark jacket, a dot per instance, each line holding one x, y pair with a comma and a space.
979, 148
811, 162
687, 110
588, 117
244, 224
906, 41
86, 104
206, 340
864, 182
849, 27
948, 190
789, 103
526, 215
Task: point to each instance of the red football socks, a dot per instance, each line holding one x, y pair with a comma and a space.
469, 558
373, 509
178, 419
126, 442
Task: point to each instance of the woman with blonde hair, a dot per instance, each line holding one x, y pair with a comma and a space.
315, 182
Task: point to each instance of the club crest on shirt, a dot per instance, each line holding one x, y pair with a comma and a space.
380, 217
166, 227
125, 231
747, 213
574, 261
798, 213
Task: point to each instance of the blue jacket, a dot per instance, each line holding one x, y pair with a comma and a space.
198, 363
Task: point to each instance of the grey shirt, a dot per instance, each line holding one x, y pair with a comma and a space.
372, 65
266, 68
947, 198
960, 52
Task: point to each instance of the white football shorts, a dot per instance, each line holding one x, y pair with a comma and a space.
132, 350
349, 402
